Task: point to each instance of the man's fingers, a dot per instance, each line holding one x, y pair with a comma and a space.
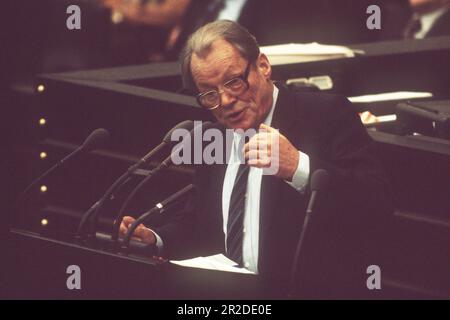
258, 142
123, 229
256, 155
252, 154
126, 223
140, 231
127, 220
138, 234
144, 234
259, 163
264, 147
268, 128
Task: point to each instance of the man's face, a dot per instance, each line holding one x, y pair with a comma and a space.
223, 63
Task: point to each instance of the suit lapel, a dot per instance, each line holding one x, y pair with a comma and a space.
283, 118
285, 114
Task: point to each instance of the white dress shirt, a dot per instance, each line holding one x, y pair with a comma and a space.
253, 195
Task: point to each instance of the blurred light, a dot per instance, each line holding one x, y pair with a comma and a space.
43, 188
116, 17
43, 155
41, 88
42, 121
44, 222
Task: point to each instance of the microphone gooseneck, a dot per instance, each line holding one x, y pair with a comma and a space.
94, 210
319, 182
164, 164
159, 207
95, 140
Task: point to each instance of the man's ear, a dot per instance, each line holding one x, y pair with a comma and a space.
264, 66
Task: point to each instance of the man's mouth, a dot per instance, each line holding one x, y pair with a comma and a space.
235, 115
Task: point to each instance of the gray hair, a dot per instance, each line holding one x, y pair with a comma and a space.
200, 42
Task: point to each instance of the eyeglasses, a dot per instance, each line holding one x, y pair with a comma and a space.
212, 99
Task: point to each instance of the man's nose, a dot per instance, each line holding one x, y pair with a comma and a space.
227, 99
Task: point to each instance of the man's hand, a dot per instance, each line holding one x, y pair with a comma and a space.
141, 233
261, 151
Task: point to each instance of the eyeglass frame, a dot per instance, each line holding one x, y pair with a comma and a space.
243, 77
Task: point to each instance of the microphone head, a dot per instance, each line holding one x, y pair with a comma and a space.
96, 139
204, 125
319, 180
187, 124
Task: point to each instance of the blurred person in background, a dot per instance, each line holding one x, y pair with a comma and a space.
430, 18
415, 19
141, 29
271, 21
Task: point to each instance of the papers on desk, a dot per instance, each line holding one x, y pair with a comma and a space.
368, 118
388, 96
304, 52
217, 262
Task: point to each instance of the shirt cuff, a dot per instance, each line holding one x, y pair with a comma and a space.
301, 175
159, 243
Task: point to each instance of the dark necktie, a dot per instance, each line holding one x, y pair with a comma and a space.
236, 213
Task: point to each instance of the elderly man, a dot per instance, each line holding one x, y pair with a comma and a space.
255, 219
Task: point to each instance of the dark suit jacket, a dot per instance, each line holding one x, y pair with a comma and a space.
441, 27
327, 129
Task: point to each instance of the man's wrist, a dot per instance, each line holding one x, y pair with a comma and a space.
301, 174
158, 243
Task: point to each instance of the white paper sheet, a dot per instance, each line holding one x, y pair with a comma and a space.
304, 52
216, 262
387, 96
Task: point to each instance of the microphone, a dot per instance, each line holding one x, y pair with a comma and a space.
319, 182
187, 124
95, 140
94, 210
158, 208
99, 137
164, 164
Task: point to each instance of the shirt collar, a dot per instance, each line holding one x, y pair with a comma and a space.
267, 121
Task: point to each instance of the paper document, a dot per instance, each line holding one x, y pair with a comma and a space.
368, 118
216, 262
304, 52
388, 96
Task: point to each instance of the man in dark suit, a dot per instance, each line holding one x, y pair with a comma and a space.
255, 219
